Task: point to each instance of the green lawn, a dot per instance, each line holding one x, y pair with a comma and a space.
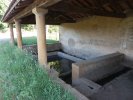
33, 40
21, 78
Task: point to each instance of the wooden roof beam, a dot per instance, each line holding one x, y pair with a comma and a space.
49, 21
57, 14
88, 11
25, 2
28, 10
17, 1
108, 8
130, 3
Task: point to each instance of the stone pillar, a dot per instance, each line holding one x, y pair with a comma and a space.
11, 34
41, 35
19, 33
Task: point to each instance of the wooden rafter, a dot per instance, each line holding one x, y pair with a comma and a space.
68, 11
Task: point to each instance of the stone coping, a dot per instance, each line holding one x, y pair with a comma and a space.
50, 47
64, 55
97, 59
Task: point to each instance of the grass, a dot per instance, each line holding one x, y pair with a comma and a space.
21, 78
33, 40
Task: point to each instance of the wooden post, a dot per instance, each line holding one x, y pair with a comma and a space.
41, 35
11, 34
19, 33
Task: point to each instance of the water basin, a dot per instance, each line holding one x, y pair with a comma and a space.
63, 66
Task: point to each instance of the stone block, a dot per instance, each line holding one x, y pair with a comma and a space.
98, 68
86, 87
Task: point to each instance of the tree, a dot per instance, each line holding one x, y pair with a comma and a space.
3, 7
53, 29
27, 27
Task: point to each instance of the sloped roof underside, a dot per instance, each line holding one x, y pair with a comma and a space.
70, 11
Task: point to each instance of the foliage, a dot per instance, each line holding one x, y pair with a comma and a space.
21, 78
27, 27
2, 27
55, 65
53, 29
3, 7
33, 40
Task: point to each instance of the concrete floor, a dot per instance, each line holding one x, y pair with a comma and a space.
120, 88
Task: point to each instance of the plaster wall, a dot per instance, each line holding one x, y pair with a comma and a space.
97, 35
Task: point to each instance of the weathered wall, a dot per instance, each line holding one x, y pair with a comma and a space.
98, 36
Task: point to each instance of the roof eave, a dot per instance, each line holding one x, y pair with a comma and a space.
11, 4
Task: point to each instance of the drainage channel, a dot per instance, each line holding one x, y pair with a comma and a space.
112, 76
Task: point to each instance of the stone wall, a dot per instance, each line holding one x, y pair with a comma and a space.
50, 48
97, 35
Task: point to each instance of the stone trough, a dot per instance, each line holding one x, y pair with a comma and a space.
90, 76
62, 63
84, 78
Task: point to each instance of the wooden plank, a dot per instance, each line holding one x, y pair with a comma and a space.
28, 10
72, 8
107, 7
25, 3
12, 8
81, 10
51, 18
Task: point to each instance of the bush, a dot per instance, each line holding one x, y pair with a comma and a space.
27, 27
3, 27
21, 78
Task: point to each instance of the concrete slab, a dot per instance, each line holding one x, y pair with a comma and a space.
120, 88
85, 86
98, 68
